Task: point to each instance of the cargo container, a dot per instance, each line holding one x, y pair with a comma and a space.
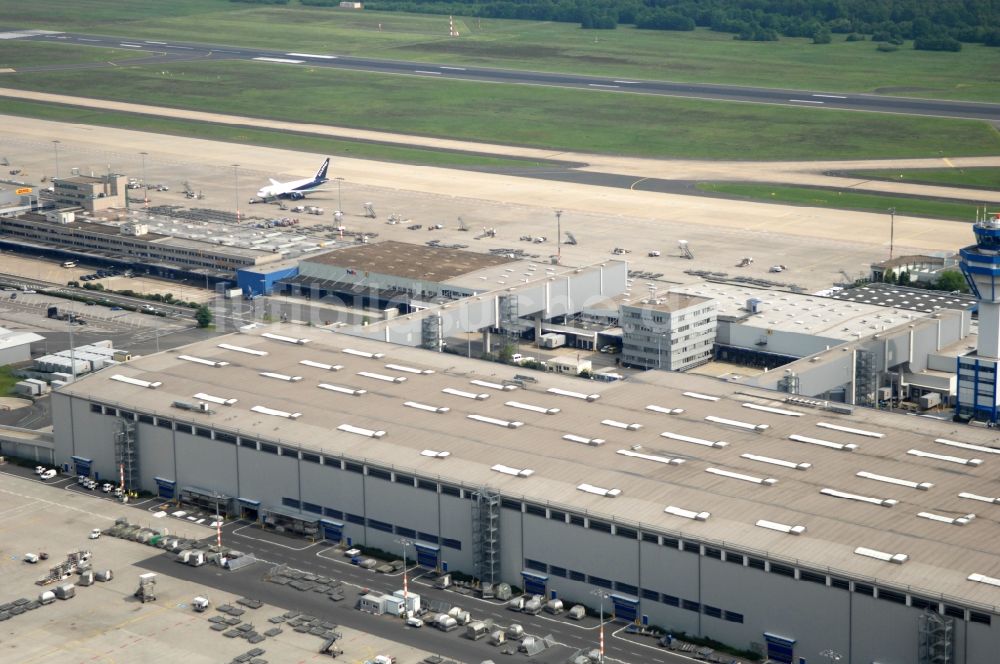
65, 591
533, 606
47, 597
103, 575
554, 606
476, 630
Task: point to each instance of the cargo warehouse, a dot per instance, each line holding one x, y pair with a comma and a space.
752, 517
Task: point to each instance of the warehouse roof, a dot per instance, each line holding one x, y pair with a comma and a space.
733, 441
413, 261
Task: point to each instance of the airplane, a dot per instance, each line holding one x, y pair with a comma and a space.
296, 189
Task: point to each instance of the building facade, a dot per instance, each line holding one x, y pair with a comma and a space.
673, 332
95, 194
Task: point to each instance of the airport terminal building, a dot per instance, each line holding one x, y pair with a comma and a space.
756, 518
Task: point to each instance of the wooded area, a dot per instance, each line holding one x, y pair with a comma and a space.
940, 25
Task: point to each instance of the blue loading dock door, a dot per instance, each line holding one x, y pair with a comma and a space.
780, 648
428, 555
626, 608
534, 583
333, 531
165, 489
82, 465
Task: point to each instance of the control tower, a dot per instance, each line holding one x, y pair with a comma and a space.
978, 394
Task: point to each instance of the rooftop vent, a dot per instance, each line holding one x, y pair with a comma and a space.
288, 340
945, 457
136, 381
622, 425
583, 440
363, 353
341, 389
687, 514
533, 408
575, 395
737, 423
281, 376
241, 349
382, 377
264, 410
777, 462
423, 406
413, 370
884, 502
494, 386
770, 481
923, 486
691, 439
222, 401
497, 421
897, 558
322, 365
434, 454
857, 432
845, 447
598, 491
201, 360
673, 461
780, 527
982, 499
665, 411
370, 433
955, 521
968, 446
982, 578
703, 397
466, 395
515, 472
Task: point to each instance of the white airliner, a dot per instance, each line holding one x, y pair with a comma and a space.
296, 189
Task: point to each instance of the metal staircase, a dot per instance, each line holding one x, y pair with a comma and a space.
126, 454
486, 534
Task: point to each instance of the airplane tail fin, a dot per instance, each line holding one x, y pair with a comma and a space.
321, 173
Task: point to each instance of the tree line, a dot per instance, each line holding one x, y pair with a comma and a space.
939, 25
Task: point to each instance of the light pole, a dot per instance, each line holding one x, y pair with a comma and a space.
405, 543
340, 202
831, 655
600, 651
55, 146
145, 185
892, 229
236, 189
559, 235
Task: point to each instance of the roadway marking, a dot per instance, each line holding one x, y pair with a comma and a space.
601, 85
131, 45
424, 71
632, 187
453, 68
806, 101
267, 541
831, 96
311, 55
282, 60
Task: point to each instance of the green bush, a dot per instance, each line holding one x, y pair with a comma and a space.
886, 48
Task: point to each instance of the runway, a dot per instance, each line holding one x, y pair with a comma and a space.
161, 51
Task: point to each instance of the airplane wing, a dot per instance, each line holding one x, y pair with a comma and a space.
274, 182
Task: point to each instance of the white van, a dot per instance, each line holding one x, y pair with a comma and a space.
69, 264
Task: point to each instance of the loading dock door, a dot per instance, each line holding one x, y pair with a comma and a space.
428, 555
534, 583
165, 488
82, 465
626, 608
249, 509
780, 648
332, 531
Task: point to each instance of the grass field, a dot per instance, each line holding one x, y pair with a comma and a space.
559, 119
7, 380
844, 200
973, 178
267, 138
701, 55
15, 53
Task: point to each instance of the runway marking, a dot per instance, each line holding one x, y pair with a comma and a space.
424, 71
628, 82
90, 40
156, 42
186, 48
311, 55
632, 186
601, 85
282, 60
131, 45
453, 68
219, 50
831, 96
806, 101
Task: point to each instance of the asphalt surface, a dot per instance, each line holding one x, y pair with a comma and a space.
159, 51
